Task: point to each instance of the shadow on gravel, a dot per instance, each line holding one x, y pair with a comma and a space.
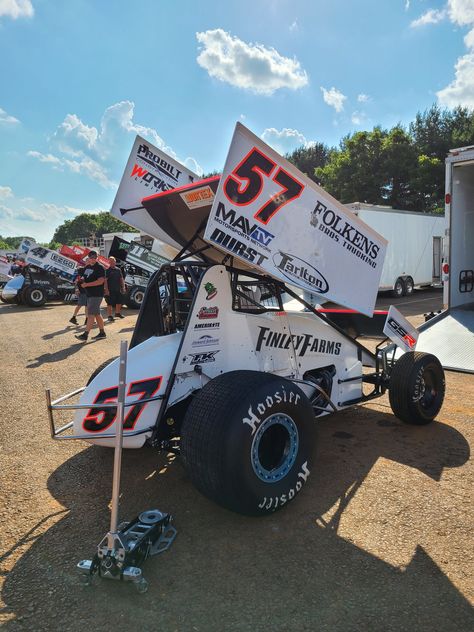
57, 356
290, 571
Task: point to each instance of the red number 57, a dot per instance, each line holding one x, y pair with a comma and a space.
245, 184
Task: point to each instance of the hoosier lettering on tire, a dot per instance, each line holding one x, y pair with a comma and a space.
247, 441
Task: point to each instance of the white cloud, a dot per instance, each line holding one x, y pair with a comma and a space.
469, 39
363, 98
5, 192
334, 98
461, 12
407, 5
356, 118
294, 26
92, 151
85, 166
285, 140
461, 90
7, 119
249, 66
432, 16
16, 9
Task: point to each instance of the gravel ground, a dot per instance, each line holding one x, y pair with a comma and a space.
380, 538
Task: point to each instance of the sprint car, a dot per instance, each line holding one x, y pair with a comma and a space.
222, 373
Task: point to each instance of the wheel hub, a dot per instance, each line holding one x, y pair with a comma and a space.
274, 448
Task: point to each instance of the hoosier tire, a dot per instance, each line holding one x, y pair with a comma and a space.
247, 441
417, 387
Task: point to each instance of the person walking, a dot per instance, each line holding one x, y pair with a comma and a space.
81, 295
114, 289
93, 283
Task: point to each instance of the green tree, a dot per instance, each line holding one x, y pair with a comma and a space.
87, 223
398, 164
308, 159
355, 173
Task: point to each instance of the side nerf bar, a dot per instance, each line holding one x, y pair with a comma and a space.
58, 434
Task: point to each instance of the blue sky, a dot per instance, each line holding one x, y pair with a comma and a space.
80, 78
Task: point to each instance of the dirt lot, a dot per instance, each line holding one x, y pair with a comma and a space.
379, 539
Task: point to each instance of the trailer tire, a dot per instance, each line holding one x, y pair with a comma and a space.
100, 368
34, 296
409, 286
398, 288
245, 445
135, 297
417, 387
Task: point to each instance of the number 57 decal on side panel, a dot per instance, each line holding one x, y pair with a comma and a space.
99, 419
245, 183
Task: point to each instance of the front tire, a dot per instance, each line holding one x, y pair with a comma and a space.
417, 387
247, 441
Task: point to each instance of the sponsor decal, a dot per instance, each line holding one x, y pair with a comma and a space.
157, 162
401, 331
205, 341
302, 343
340, 230
198, 197
202, 358
207, 325
273, 502
236, 223
208, 312
232, 244
211, 291
295, 269
148, 179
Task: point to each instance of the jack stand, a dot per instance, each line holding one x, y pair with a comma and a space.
126, 546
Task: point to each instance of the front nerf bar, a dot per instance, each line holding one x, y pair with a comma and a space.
58, 433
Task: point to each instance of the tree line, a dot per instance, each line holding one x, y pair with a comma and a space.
400, 167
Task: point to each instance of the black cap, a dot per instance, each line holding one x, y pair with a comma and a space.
92, 254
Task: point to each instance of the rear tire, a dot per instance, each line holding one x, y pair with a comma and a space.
399, 288
417, 387
34, 296
409, 286
135, 297
245, 445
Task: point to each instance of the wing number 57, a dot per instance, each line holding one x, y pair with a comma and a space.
245, 183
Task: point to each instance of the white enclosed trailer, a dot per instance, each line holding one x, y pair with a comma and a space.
450, 335
414, 250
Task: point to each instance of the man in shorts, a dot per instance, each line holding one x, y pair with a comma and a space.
93, 283
114, 289
81, 295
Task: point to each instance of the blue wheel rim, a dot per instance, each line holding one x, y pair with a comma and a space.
274, 448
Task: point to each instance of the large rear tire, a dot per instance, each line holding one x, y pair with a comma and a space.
135, 297
247, 441
417, 387
34, 296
